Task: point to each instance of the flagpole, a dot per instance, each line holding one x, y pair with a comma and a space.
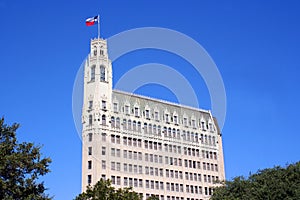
98, 27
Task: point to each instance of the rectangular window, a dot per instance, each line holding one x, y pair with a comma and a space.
90, 105
103, 137
136, 111
130, 167
90, 119
127, 110
89, 164
103, 105
147, 114
156, 116
115, 107
103, 164
89, 179
113, 179
90, 151
90, 137
118, 153
118, 180
125, 167
118, 166
113, 166
103, 151
113, 152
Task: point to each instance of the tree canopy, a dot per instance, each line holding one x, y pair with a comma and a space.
267, 184
20, 167
103, 190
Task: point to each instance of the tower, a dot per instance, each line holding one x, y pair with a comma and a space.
96, 104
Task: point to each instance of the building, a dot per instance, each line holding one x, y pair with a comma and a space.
157, 147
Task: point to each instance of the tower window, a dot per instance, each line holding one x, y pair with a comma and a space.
89, 164
90, 105
89, 179
102, 73
101, 52
90, 119
104, 105
95, 51
90, 137
93, 73
90, 151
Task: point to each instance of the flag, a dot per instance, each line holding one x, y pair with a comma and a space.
92, 21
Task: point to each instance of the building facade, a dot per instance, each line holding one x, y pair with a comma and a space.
157, 147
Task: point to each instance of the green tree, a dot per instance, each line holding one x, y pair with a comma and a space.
20, 167
103, 190
153, 197
267, 184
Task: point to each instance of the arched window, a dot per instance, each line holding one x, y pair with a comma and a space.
118, 122
102, 73
124, 124
129, 124
93, 73
103, 120
139, 127
113, 122
134, 125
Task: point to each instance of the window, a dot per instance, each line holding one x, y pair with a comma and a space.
103, 120
89, 151
103, 105
194, 123
89, 164
90, 105
136, 111
90, 137
175, 118
89, 179
103, 164
115, 107
185, 121
90, 119
95, 51
167, 118
147, 114
118, 122
103, 135
113, 166
93, 73
156, 115
103, 151
112, 120
102, 73
127, 110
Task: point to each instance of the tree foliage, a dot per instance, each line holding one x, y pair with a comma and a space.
103, 190
267, 184
20, 167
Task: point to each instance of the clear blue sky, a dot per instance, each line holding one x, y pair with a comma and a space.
255, 45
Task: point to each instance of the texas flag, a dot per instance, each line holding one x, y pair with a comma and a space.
92, 21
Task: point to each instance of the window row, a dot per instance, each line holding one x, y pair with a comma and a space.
157, 185
166, 117
102, 73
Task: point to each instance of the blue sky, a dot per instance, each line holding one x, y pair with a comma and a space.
255, 45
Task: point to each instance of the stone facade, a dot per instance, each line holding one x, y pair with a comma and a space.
157, 147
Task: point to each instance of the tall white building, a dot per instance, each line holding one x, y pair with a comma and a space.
157, 147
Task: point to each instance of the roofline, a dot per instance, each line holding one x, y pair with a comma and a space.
163, 101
